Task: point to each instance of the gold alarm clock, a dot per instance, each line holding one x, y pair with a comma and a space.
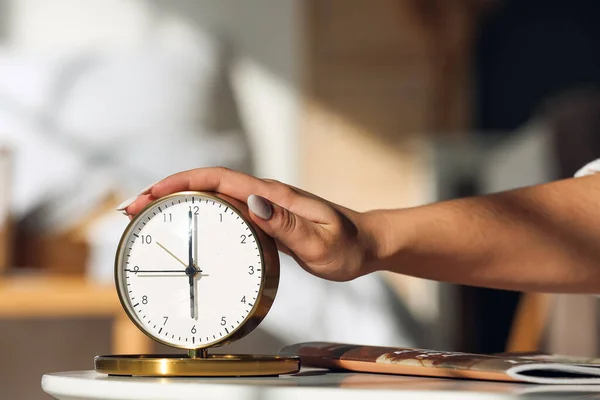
193, 272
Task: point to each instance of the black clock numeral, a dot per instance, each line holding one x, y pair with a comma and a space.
146, 239
251, 270
223, 321
136, 269
193, 330
168, 217
220, 217
195, 209
166, 319
144, 299
243, 237
243, 300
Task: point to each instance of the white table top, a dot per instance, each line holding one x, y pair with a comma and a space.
308, 384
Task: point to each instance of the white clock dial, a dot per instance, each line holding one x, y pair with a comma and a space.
190, 296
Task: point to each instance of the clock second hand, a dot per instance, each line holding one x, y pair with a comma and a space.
171, 254
175, 257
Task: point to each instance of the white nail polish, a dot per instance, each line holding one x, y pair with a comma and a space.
260, 207
147, 189
126, 203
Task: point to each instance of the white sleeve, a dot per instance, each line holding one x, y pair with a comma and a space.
589, 169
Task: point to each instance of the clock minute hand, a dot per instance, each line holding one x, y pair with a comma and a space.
195, 258
190, 270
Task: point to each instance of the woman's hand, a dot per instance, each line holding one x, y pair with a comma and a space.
327, 240
540, 238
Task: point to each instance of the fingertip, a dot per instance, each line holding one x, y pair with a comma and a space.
138, 204
148, 189
124, 205
168, 186
260, 207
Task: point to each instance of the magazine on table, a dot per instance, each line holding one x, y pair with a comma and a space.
511, 367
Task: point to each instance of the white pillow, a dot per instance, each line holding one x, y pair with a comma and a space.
28, 79
87, 123
41, 165
134, 93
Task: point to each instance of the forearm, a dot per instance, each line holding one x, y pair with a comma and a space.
541, 238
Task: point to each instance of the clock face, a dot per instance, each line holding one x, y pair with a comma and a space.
190, 270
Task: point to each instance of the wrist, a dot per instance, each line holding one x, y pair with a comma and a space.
379, 238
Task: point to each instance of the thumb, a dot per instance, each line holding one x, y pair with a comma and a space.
286, 227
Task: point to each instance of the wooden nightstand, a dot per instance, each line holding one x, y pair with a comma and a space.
41, 296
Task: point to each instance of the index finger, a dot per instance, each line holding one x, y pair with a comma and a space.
216, 179
233, 184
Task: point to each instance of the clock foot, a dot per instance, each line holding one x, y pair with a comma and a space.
197, 353
211, 365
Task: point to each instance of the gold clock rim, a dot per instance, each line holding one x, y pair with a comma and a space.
248, 321
213, 365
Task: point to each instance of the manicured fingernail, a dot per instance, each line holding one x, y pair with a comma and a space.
147, 189
125, 213
260, 207
126, 203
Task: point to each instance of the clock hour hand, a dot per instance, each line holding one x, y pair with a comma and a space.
154, 270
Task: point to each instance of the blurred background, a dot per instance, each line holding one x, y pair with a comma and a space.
386, 105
